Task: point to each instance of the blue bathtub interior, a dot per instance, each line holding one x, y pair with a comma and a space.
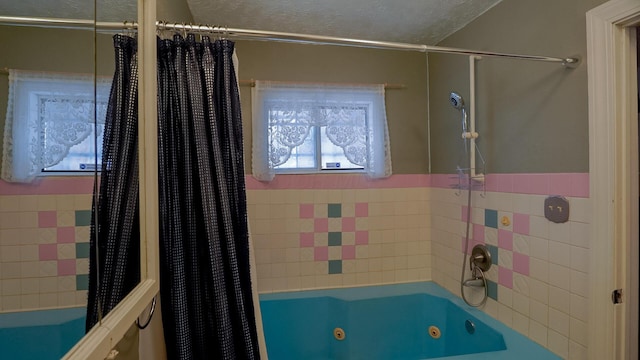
386, 322
40, 334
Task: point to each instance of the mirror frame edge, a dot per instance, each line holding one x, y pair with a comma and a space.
98, 342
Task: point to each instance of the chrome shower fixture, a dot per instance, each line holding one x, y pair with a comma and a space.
457, 102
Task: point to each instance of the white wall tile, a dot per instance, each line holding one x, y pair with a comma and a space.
578, 331
580, 210
579, 283
559, 322
538, 332
581, 234
539, 248
559, 253
560, 299
559, 344
577, 351
559, 276
560, 232
539, 291
579, 307
521, 323
539, 227
539, 312
580, 259
539, 269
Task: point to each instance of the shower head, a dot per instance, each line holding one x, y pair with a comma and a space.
456, 101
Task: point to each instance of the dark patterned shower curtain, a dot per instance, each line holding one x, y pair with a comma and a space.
207, 304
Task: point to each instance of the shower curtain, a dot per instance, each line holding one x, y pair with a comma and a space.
205, 284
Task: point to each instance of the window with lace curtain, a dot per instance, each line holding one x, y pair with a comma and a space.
303, 128
50, 125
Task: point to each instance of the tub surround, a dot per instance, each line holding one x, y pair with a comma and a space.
343, 230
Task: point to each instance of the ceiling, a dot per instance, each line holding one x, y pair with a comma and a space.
410, 21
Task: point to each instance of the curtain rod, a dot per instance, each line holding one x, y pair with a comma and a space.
252, 82
387, 86
248, 34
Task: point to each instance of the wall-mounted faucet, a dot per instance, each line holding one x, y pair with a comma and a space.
479, 262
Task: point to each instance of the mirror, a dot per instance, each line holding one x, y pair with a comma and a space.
45, 221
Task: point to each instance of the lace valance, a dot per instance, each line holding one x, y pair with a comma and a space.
47, 114
352, 117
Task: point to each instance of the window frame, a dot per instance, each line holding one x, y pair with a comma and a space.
370, 148
318, 154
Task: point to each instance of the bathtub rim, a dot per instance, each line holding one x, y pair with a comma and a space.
515, 342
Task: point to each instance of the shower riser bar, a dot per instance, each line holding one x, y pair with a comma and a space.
248, 34
472, 135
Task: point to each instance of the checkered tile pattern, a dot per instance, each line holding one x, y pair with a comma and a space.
335, 235
501, 232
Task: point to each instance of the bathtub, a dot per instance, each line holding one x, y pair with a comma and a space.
388, 322
40, 334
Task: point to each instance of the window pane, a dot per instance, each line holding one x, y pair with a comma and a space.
81, 157
302, 156
333, 157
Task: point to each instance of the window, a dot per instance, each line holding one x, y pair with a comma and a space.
50, 124
316, 129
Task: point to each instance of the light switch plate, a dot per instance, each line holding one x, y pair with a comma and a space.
556, 209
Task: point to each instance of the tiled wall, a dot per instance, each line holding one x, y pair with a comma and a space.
318, 231
538, 284
44, 243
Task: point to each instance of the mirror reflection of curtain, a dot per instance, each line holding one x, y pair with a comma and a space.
115, 256
207, 303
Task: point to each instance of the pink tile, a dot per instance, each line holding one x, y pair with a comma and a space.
47, 252
49, 186
478, 233
348, 252
560, 184
47, 219
321, 253
521, 223
362, 209
349, 224
521, 263
505, 277
491, 182
443, 180
306, 211
66, 235
474, 243
362, 237
321, 225
464, 214
505, 239
504, 183
66, 267
306, 239
580, 185
538, 184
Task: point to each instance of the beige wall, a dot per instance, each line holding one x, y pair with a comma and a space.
54, 50
174, 11
532, 117
406, 108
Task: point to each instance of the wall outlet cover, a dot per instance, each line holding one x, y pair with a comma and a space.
556, 209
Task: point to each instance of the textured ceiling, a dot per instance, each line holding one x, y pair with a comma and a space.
410, 21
